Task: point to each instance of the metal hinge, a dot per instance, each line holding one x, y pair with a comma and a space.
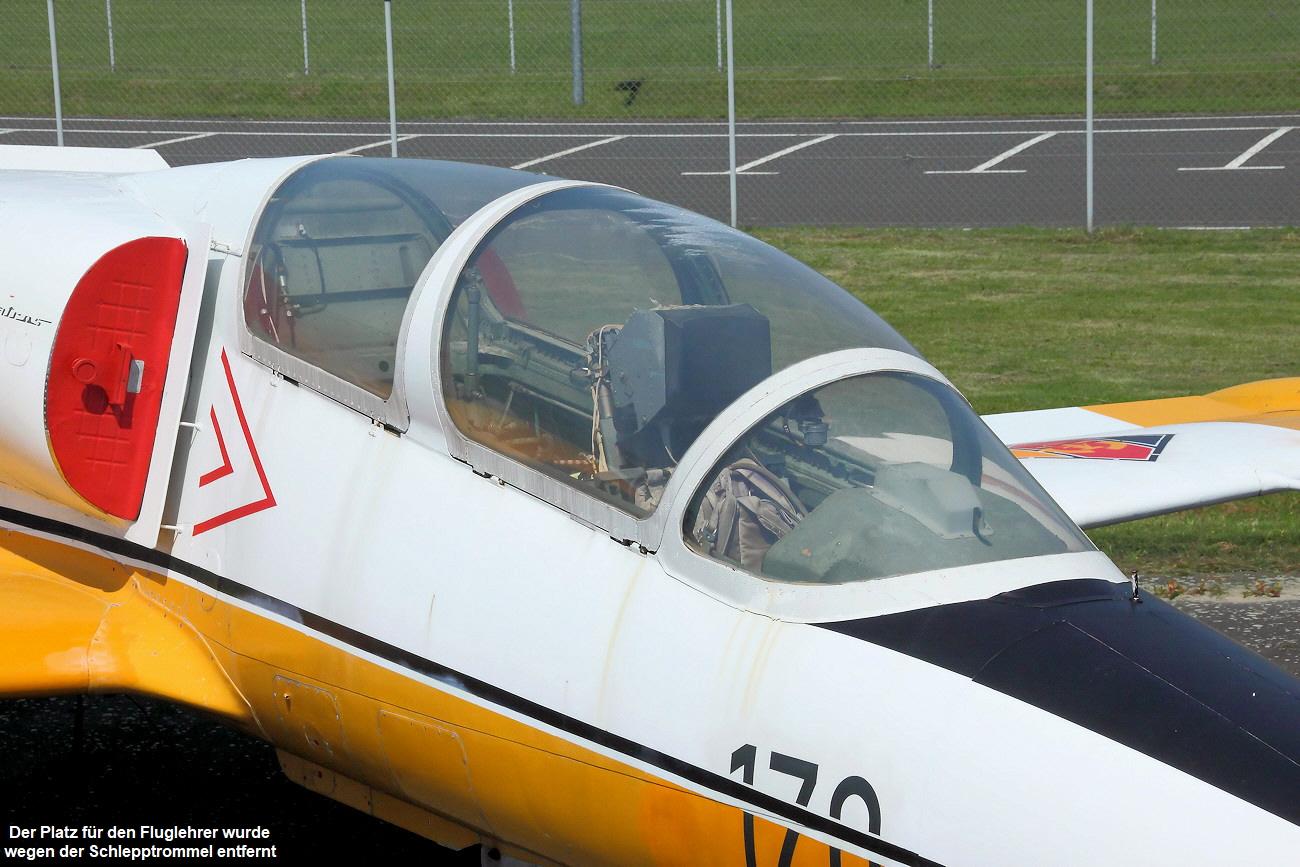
218, 247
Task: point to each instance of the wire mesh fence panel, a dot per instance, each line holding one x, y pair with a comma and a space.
221, 59
514, 58
907, 59
25, 51
625, 63
894, 58
875, 112
1219, 84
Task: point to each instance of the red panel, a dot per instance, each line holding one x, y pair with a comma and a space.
500, 285
122, 311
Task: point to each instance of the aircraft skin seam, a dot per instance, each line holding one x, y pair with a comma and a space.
470, 685
1208, 708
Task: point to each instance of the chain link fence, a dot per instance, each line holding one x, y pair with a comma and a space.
915, 107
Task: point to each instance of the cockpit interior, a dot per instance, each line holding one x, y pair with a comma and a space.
593, 335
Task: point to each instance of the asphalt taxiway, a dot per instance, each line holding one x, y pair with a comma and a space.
1216, 171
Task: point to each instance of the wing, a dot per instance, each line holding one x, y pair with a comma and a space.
1118, 462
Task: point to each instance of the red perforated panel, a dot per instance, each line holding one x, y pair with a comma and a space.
100, 420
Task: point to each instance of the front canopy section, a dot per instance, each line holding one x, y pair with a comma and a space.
594, 334
336, 255
878, 475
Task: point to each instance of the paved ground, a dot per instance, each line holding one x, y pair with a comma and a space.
1268, 625
144, 762
1220, 171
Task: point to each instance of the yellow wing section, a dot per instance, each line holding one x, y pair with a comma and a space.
75, 622
1271, 402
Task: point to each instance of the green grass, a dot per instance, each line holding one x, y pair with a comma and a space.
820, 58
1034, 318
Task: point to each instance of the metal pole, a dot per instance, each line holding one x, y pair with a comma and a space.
1088, 135
54, 68
306, 66
392, 89
717, 13
112, 56
575, 28
510, 13
930, 29
1153, 32
731, 113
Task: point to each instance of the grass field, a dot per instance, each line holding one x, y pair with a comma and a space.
816, 58
1028, 318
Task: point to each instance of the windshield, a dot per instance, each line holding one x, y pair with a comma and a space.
878, 475
339, 248
594, 334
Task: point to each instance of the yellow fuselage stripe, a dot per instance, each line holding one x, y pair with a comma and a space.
78, 622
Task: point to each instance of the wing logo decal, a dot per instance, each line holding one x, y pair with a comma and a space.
1139, 447
237, 470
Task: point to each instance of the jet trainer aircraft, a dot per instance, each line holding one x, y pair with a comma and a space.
533, 513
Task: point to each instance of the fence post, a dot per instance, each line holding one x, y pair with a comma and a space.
731, 113
306, 66
1153, 32
1088, 131
930, 29
575, 35
112, 55
392, 89
54, 68
717, 25
510, 16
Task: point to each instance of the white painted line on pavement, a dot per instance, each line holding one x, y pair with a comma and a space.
378, 144
574, 150
987, 168
354, 126
1236, 164
745, 169
158, 144
753, 132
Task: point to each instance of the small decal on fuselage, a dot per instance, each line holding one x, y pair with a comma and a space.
11, 313
1138, 447
266, 499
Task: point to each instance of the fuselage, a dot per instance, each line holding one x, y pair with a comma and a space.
467, 574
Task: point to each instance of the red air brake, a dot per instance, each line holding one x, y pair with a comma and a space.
107, 371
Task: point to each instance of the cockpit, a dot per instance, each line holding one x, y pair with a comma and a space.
590, 336
594, 334
881, 474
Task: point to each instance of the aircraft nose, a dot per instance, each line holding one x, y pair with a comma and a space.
1141, 673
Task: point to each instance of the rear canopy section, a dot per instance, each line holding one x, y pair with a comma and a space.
99, 301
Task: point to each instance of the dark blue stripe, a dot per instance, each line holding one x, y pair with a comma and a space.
1143, 674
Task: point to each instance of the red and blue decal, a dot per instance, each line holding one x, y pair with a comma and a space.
1139, 447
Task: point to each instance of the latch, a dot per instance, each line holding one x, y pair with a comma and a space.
119, 375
